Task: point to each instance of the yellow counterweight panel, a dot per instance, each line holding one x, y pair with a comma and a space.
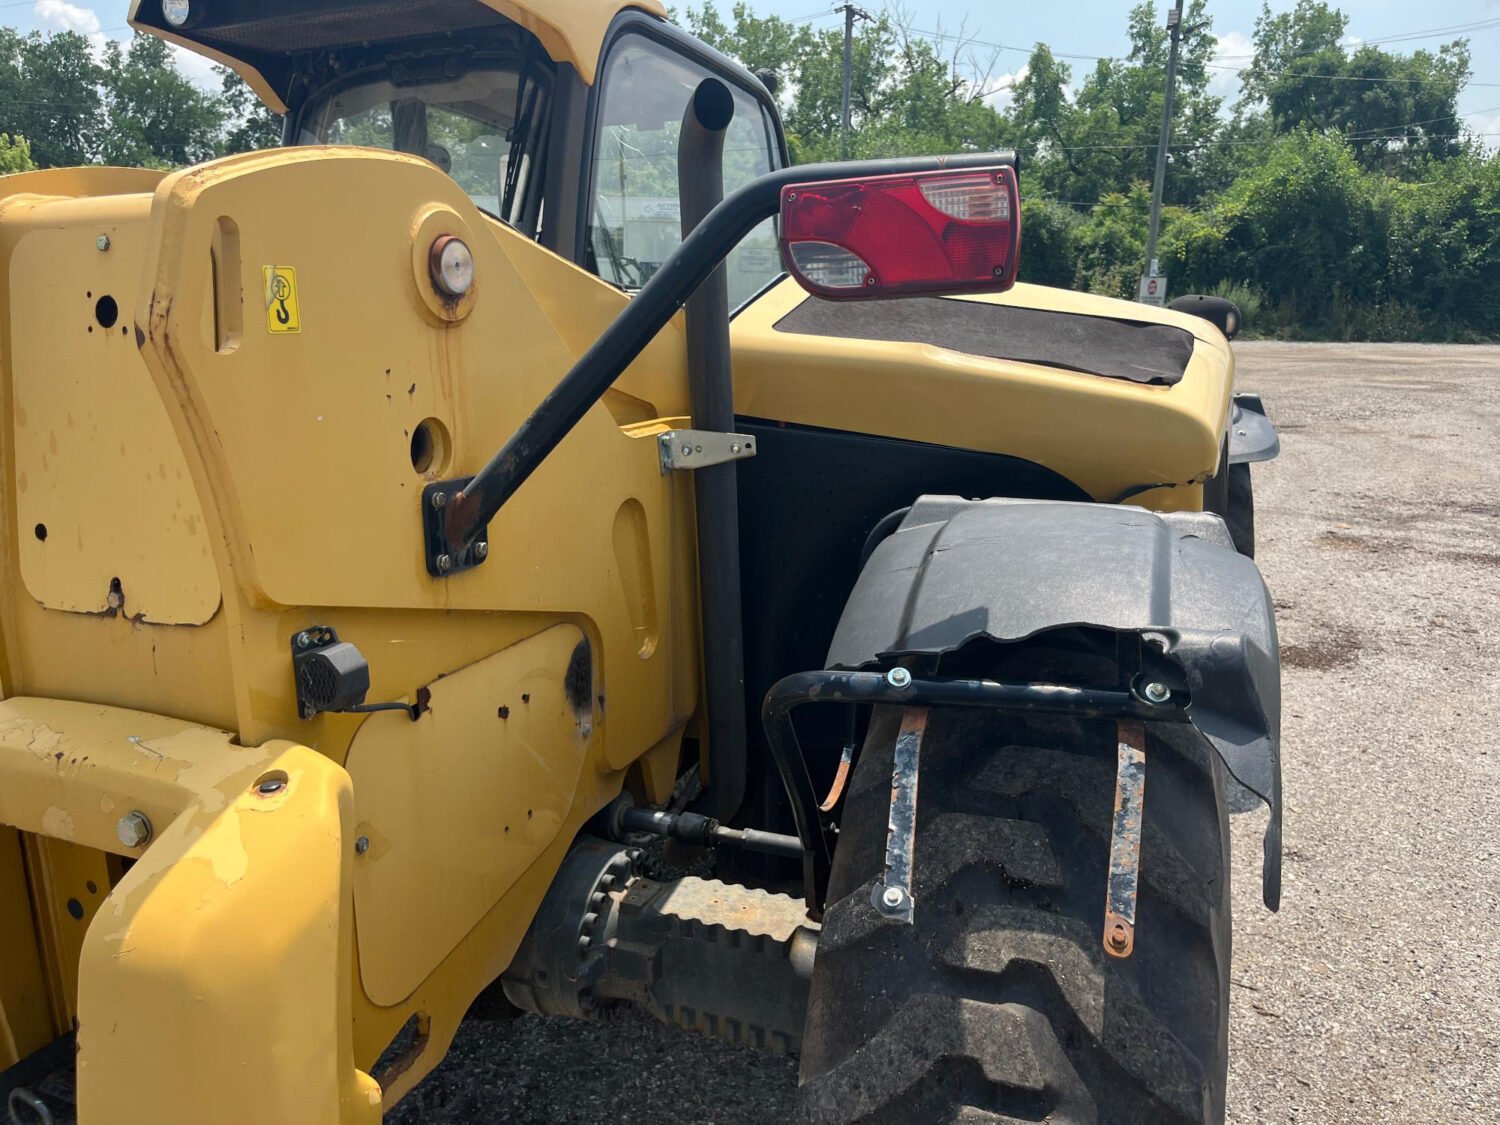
234, 920
1105, 435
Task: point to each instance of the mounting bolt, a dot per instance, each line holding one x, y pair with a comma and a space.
1117, 938
444, 563
102, 243
482, 550
304, 640
134, 830
361, 845
270, 786
893, 897
440, 500
114, 599
1156, 692
898, 678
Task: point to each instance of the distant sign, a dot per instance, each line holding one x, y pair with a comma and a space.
1153, 289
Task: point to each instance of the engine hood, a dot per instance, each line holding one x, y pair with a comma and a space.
1116, 396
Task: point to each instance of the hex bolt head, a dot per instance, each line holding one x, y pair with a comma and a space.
1156, 692
893, 897
304, 639
439, 500
102, 243
444, 563
482, 550
898, 678
361, 845
134, 830
114, 599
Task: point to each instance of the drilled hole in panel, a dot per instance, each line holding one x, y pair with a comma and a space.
106, 311
41, 532
430, 447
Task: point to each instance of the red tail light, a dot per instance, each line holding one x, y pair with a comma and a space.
890, 236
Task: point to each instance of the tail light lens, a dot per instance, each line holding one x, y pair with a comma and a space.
890, 236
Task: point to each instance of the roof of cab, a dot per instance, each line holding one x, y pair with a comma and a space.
571, 31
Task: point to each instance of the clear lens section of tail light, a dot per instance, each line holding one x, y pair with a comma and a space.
828, 265
976, 198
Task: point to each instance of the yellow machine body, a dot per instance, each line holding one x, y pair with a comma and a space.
190, 479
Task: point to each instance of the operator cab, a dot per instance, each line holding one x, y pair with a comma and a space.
588, 168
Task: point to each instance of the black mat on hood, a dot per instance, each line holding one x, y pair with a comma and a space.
1094, 345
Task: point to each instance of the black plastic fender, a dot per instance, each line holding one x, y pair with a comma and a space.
959, 570
1252, 437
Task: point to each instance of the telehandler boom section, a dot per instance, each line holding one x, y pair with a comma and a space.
424, 541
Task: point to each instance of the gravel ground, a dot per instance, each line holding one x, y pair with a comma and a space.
1372, 995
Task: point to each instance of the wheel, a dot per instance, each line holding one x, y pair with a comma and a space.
999, 1003
1241, 510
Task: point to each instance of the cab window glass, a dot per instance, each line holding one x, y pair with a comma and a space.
480, 128
635, 218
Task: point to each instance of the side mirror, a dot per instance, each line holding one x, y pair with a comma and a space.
895, 236
1221, 312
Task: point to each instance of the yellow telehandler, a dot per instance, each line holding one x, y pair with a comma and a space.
424, 541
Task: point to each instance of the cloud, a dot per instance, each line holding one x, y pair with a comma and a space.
1232, 52
197, 69
1486, 126
59, 15
62, 16
1000, 90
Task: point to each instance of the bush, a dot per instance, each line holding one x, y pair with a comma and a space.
15, 155
1049, 242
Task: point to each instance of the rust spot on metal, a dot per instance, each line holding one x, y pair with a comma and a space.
1125, 838
460, 520
840, 779
892, 897
578, 681
403, 1050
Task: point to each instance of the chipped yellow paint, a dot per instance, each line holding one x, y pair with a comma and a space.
236, 915
476, 791
57, 823
107, 494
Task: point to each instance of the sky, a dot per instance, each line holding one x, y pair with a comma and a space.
1079, 27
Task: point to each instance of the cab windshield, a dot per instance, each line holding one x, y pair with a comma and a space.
483, 128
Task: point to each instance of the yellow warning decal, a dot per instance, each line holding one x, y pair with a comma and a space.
282, 314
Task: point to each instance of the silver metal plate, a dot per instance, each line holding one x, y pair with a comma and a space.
685, 450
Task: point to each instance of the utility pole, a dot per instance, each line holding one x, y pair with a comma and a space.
851, 13
1153, 289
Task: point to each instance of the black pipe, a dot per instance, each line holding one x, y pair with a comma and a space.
876, 687
700, 186
629, 333
704, 832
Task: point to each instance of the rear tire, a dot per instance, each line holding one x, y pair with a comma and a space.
1241, 509
999, 1004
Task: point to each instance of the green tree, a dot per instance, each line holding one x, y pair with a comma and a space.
156, 116
1306, 226
15, 155
1392, 108
49, 93
249, 125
